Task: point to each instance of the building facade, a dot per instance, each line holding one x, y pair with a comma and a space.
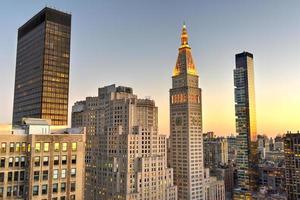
292, 164
186, 125
215, 151
247, 156
214, 188
40, 162
42, 68
126, 156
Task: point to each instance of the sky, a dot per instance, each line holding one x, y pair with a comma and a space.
135, 43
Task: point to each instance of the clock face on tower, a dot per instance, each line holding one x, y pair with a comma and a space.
178, 121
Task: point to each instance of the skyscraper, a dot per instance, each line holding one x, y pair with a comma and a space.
186, 125
42, 68
247, 157
126, 156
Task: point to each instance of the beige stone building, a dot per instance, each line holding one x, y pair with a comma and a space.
213, 187
126, 156
40, 162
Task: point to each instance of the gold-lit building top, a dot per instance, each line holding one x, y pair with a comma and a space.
185, 63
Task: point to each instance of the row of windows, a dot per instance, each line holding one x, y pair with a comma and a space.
57, 146
64, 160
55, 189
13, 162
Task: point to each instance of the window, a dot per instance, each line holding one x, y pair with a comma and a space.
63, 173
45, 160
35, 190
8, 191
45, 175
72, 197
22, 161
55, 174
64, 160
37, 147
55, 188
73, 186
22, 175
73, 172
74, 146
3, 147
62, 198
10, 162
36, 161
64, 146
2, 162
36, 175
28, 147
18, 147
17, 161
16, 175
62, 187
74, 159
23, 147
56, 160
15, 191
9, 176
21, 190
1, 177
56, 146
1, 191
46, 146
44, 189
11, 147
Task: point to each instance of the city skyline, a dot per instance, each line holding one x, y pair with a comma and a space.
277, 106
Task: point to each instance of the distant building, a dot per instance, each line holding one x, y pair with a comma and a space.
42, 68
126, 156
247, 156
278, 143
232, 149
39, 161
215, 151
263, 145
292, 164
214, 189
227, 174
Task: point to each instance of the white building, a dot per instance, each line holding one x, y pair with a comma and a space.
126, 156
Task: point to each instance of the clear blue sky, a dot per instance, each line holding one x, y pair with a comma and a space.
135, 43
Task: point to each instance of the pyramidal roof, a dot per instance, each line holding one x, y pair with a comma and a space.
185, 63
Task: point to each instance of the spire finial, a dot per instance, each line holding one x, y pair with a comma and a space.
184, 36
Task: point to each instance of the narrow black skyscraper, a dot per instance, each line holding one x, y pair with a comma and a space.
42, 68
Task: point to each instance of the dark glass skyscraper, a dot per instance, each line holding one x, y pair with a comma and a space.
247, 158
42, 68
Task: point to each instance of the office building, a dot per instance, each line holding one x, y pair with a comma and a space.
232, 151
292, 164
39, 161
126, 156
186, 125
247, 156
42, 68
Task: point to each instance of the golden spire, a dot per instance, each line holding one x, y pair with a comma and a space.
184, 37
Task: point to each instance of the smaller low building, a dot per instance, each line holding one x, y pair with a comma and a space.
214, 188
39, 161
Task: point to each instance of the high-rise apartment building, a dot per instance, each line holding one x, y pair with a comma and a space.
292, 164
42, 68
247, 157
39, 161
186, 125
126, 156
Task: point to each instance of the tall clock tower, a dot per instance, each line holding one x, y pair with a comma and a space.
186, 125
